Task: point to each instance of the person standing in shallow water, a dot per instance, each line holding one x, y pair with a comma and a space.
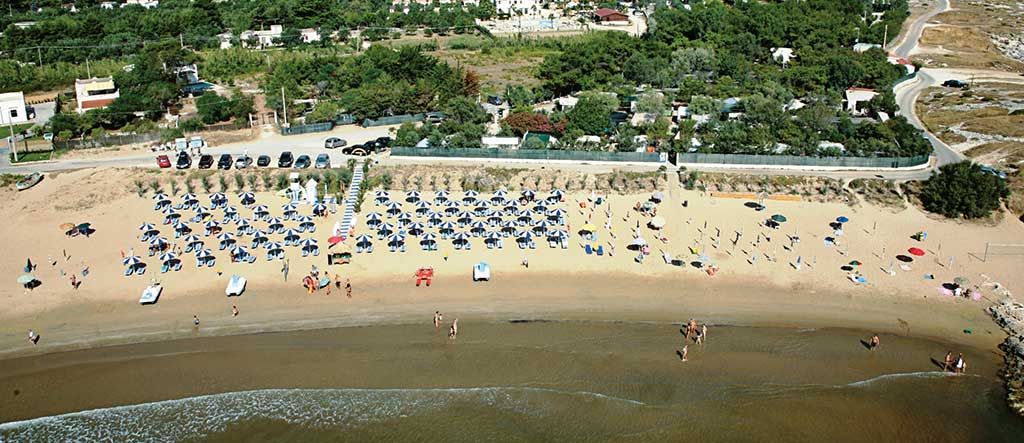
875, 341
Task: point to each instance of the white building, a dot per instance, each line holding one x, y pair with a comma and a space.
864, 47
107, 5
95, 93
225, 39
262, 38
783, 55
511, 7
144, 3
500, 142
309, 35
12, 108
855, 96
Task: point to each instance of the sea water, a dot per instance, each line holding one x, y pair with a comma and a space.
563, 381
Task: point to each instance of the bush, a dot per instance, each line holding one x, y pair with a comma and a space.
963, 190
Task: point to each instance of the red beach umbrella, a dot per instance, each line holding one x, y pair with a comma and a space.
334, 240
916, 251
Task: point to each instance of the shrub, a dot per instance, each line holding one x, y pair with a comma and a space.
963, 190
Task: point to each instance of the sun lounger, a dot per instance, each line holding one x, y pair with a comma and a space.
565, 244
501, 244
164, 268
210, 262
139, 270
177, 265
316, 251
599, 250
150, 294
128, 271
469, 246
235, 286
589, 249
533, 245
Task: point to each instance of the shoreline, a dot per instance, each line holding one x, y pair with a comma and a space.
578, 296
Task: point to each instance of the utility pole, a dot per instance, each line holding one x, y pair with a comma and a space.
181, 40
885, 36
284, 106
88, 70
39, 53
10, 140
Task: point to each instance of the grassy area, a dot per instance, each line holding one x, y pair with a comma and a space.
9, 179
5, 131
966, 41
33, 156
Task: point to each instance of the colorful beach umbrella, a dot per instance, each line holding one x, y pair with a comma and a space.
131, 261
145, 227
204, 253
842, 219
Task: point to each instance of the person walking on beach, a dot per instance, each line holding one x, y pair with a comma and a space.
195, 320
348, 288
337, 281
284, 269
874, 342
682, 353
33, 337
437, 319
948, 364
961, 365
234, 311
454, 330
704, 332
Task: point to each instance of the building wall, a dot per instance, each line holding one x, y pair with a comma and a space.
12, 109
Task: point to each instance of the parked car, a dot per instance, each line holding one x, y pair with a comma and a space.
384, 141
184, 161
243, 162
323, 161
994, 172
335, 142
954, 83
494, 100
435, 117
285, 160
205, 161
162, 161
357, 150
302, 162
224, 162
263, 161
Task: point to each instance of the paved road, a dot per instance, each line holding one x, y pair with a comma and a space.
913, 35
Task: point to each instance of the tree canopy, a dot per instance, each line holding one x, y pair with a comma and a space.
963, 189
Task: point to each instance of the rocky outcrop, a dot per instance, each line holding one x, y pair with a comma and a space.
1010, 316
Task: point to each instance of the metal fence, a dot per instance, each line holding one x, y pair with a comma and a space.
108, 140
527, 154
306, 129
794, 160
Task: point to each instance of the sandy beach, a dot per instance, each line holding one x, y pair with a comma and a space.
100, 328
769, 290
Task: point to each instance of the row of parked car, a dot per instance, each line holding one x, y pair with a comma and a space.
285, 160
225, 161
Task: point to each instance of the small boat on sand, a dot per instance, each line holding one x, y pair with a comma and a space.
29, 181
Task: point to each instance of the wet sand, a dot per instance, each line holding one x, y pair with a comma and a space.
534, 381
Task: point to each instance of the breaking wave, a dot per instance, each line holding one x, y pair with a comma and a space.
195, 417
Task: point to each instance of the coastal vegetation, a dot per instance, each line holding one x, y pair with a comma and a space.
965, 190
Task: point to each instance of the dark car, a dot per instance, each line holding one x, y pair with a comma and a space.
243, 162
184, 161
285, 160
357, 150
302, 162
494, 100
954, 83
335, 142
384, 141
224, 162
205, 161
263, 161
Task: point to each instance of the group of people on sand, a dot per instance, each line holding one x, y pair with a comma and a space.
312, 282
453, 330
699, 335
